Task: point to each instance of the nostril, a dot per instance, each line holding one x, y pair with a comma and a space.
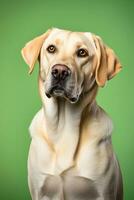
64, 74
55, 72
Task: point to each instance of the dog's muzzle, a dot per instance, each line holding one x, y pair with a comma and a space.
60, 74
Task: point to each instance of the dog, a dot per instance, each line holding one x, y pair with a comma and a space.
71, 155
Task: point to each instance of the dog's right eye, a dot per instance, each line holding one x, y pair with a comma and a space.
82, 52
51, 48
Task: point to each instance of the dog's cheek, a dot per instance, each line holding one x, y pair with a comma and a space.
79, 82
44, 69
89, 80
42, 74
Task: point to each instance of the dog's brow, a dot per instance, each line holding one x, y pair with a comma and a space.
79, 44
58, 41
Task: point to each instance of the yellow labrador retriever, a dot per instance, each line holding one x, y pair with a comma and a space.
71, 155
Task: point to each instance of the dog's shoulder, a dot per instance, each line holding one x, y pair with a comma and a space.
99, 121
104, 121
36, 123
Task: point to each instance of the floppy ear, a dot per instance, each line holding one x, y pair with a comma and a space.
108, 64
32, 49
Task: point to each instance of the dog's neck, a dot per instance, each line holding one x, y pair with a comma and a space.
61, 115
63, 128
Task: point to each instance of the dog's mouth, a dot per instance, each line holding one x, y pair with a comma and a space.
58, 91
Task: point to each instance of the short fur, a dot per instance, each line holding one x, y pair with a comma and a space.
71, 155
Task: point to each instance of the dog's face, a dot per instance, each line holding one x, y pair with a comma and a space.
71, 62
66, 58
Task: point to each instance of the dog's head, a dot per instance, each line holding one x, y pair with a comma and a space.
71, 63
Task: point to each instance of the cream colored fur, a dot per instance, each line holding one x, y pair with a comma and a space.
71, 155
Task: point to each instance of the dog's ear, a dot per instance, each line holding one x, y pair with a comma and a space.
32, 49
108, 64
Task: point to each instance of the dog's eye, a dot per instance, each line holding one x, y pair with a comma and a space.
51, 48
82, 53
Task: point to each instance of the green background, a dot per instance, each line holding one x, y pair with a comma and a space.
20, 21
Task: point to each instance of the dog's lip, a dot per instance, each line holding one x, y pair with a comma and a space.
55, 90
59, 91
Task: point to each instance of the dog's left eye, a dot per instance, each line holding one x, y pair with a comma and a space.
51, 48
82, 53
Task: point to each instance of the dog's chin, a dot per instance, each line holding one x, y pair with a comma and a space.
62, 93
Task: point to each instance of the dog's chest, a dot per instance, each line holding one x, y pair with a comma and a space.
68, 187
70, 156
71, 150
70, 177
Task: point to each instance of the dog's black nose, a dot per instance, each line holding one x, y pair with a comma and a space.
60, 72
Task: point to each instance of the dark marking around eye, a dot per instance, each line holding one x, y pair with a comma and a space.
51, 48
82, 52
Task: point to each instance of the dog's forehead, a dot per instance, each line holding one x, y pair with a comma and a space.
59, 36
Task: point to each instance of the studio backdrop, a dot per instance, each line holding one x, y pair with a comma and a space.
20, 21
